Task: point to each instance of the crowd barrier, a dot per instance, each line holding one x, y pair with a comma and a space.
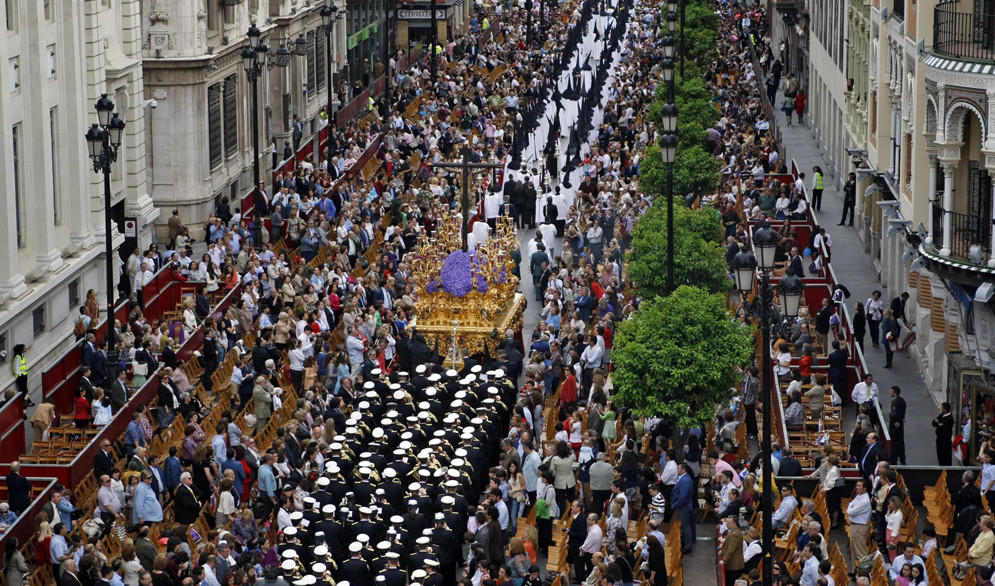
819, 286
24, 527
71, 474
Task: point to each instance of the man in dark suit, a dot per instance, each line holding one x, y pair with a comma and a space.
103, 462
795, 264
790, 466
260, 202
69, 575
869, 459
119, 391
837, 368
89, 350
576, 536
385, 297
896, 426
86, 382
944, 424
186, 505
18, 489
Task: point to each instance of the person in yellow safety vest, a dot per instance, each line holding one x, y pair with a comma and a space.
19, 367
486, 24
438, 49
370, 104
817, 186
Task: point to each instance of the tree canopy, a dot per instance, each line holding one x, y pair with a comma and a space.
678, 357
699, 258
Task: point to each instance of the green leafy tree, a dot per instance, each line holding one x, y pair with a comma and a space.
678, 357
695, 170
701, 25
699, 258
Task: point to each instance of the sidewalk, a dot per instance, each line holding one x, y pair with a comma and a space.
855, 269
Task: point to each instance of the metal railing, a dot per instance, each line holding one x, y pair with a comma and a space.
963, 34
967, 231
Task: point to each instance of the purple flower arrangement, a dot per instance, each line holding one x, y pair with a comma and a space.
462, 273
457, 274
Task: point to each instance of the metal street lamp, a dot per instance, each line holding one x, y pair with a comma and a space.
745, 266
435, 41
669, 115
668, 47
390, 42
668, 150
300, 46
103, 141
668, 71
254, 57
328, 24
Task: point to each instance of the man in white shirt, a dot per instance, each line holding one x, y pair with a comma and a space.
788, 505
908, 557
810, 565
859, 513
866, 391
591, 545
590, 359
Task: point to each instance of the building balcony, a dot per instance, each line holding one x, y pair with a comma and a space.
963, 33
970, 244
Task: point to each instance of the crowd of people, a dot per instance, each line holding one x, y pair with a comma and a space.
394, 469
391, 468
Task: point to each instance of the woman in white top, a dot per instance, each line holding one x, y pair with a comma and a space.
226, 503
781, 206
830, 479
189, 317
893, 523
783, 360
101, 409
297, 355
211, 278
564, 481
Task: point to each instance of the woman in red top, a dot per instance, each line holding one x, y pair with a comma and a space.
82, 409
247, 483
43, 543
568, 390
805, 366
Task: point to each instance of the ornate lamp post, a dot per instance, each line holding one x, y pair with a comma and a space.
254, 56
103, 141
328, 24
745, 266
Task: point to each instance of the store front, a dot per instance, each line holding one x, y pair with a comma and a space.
969, 389
414, 22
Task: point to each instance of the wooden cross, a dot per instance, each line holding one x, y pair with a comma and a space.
465, 166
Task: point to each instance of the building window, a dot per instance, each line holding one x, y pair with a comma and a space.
321, 64
311, 87
51, 61
74, 300
38, 319
15, 74
231, 114
3, 347
212, 19
11, 13
214, 124
18, 208
53, 129
47, 5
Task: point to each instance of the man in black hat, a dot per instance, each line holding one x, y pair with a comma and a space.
355, 570
449, 551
